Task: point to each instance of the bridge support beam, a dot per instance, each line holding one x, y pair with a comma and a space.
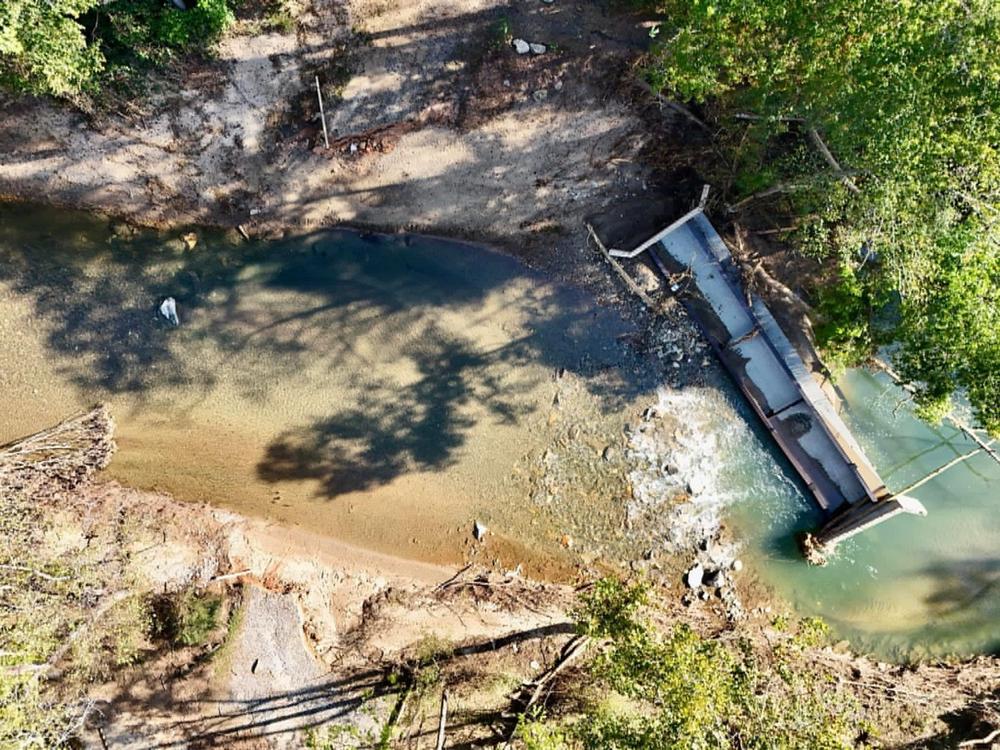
853, 520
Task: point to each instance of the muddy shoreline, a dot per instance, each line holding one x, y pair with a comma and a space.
310, 620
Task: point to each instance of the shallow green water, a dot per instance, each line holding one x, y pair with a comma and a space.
911, 587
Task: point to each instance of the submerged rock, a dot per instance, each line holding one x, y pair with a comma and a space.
168, 309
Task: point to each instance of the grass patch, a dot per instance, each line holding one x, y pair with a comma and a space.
186, 619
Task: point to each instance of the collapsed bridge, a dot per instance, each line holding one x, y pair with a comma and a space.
775, 381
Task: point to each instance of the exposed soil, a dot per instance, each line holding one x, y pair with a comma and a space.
435, 125
321, 626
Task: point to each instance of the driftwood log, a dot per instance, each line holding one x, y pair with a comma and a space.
60, 458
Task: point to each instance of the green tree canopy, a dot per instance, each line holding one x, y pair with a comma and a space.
61, 47
905, 95
43, 48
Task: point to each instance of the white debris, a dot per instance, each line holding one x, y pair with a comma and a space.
521, 47
168, 309
478, 531
695, 576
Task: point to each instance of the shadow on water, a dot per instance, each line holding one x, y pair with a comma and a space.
389, 319
392, 429
963, 584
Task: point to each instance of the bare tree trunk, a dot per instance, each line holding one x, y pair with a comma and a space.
821, 146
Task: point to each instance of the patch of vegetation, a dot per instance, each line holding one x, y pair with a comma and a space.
185, 619
63, 613
500, 34
653, 690
70, 48
890, 112
258, 17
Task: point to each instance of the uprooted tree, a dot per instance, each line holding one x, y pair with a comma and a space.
878, 124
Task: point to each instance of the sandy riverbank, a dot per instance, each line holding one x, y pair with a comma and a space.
438, 127
320, 623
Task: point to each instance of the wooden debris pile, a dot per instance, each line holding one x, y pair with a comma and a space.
57, 459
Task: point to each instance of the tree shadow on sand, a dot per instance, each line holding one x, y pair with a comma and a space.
393, 429
390, 319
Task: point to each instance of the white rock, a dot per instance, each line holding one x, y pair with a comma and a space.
521, 47
538, 49
695, 576
737, 566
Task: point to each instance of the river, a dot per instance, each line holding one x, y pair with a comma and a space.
386, 390
390, 390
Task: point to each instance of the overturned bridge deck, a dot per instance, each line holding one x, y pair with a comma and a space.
771, 374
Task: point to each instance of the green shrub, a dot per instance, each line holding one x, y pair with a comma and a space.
185, 619
72, 47
680, 690
150, 31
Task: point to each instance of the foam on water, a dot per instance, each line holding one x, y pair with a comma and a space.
695, 442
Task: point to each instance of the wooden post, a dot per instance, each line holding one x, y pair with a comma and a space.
322, 114
443, 720
941, 470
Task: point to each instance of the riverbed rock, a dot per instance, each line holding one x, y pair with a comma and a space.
737, 565
521, 47
168, 309
538, 49
695, 576
714, 579
695, 486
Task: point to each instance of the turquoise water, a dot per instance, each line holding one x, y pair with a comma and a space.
912, 587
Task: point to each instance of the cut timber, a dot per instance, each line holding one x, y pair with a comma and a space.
629, 281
